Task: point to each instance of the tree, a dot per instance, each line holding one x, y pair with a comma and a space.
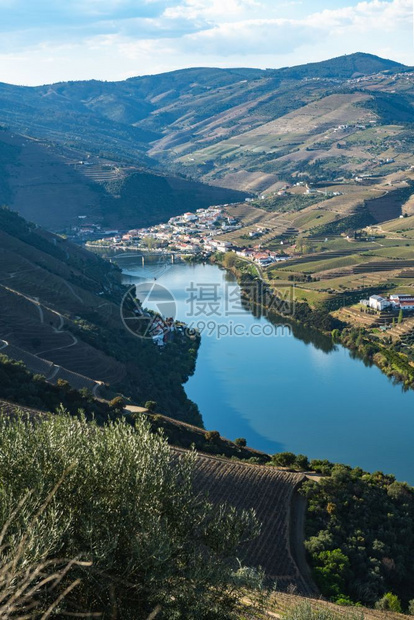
390, 602
240, 441
284, 459
301, 462
119, 499
149, 242
229, 260
330, 572
336, 335
321, 466
117, 404
400, 316
349, 511
212, 436
151, 405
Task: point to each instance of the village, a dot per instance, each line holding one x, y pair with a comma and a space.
192, 234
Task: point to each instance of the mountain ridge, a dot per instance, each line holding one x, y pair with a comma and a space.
244, 129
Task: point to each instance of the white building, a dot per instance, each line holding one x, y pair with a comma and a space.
190, 217
378, 303
403, 301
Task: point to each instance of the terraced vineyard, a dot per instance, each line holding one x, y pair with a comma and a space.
41, 338
59, 314
270, 492
279, 603
10, 409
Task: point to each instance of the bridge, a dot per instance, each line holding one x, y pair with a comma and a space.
170, 256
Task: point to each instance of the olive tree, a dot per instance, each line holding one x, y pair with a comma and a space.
120, 500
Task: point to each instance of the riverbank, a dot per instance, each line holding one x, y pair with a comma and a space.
261, 299
282, 389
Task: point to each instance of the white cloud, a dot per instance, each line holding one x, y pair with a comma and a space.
366, 16
119, 38
270, 36
267, 36
214, 9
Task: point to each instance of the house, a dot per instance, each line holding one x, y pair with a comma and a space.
246, 253
264, 262
220, 246
403, 301
378, 303
262, 258
190, 217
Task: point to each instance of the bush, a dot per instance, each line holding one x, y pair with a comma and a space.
212, 436
240, 441
124, 502
389, 602
284, 459
301, 462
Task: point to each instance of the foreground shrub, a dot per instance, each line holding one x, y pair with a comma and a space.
23, 584
117, 497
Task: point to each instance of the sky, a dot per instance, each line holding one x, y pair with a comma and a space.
45, 41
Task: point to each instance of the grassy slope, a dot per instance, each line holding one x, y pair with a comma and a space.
46, 184
218, 119
61, 304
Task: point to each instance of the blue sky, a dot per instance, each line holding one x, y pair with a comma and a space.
43, 41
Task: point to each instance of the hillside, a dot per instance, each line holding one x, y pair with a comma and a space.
240, 128
272, 494
60, 316
62, 188
114, 516
349, 66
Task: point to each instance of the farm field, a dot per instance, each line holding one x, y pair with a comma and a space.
336, 245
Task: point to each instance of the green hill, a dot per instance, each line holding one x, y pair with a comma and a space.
60, 316
182, 120
343, 67
48, 185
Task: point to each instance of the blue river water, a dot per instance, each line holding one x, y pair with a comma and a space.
282, 391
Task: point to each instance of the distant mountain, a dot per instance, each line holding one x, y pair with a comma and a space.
200, 121
60, 316
342, 67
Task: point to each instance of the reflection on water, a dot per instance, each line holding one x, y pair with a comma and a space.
292, 391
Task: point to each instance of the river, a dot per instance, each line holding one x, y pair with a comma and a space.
280, 391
